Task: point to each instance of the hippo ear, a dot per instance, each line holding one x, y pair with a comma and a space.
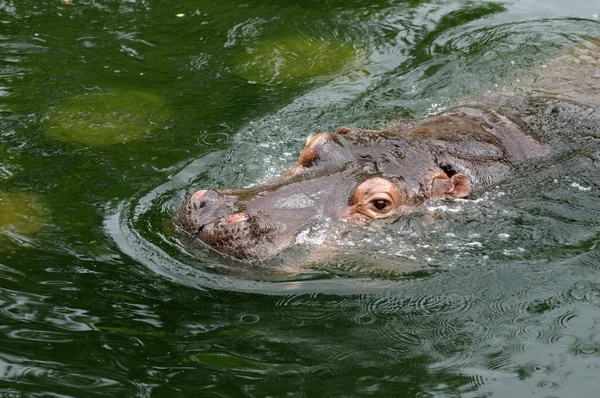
455, 187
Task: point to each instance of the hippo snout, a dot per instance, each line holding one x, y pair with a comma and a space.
215, 218
204, 207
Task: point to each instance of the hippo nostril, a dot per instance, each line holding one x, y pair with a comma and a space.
197, 206
238, 217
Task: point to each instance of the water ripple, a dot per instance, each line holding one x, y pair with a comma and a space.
20, 371
572, 321
39, 335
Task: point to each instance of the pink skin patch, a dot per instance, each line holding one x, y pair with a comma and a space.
198, 195
238, 217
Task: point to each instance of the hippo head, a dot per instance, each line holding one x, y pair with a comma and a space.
352, 175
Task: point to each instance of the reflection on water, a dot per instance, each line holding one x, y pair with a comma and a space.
105, 298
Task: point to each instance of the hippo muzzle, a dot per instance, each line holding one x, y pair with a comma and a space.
215, 219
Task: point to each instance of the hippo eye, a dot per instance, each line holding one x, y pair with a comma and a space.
380, 204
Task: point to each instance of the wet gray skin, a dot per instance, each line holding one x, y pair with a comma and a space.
358, 175
256, 223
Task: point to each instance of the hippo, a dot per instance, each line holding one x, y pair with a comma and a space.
358, 176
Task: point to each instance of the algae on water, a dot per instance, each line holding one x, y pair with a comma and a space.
291, 59
20, 213
106, 118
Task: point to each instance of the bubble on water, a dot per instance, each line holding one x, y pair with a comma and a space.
581, 188
20, 213
513, 252
444, 208
248, 318
105, 118
311, 236
290, 59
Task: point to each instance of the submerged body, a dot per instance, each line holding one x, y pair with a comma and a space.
356, 175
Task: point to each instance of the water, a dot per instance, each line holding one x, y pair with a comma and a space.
98, 295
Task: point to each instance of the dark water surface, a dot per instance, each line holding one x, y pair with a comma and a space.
112, 112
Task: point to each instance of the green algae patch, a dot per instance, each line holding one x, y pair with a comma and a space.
20, 213
292, 59
106, 118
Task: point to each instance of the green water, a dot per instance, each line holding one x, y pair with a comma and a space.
111, 112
